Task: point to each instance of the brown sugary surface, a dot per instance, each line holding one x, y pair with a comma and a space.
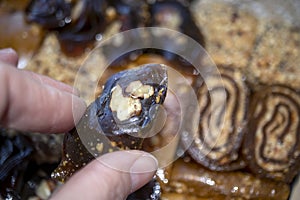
177, 196
267, 50
276, 57
229, 32
190, 179
50, 61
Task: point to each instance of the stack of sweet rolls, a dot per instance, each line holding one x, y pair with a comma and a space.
246, 147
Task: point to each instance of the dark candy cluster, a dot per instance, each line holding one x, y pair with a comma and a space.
79, 23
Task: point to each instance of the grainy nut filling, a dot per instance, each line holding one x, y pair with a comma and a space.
128, 106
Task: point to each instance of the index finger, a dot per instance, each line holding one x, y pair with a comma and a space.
29, 105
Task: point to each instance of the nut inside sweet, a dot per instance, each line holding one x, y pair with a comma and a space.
129, 104
125, 107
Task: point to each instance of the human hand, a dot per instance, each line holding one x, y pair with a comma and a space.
32, 102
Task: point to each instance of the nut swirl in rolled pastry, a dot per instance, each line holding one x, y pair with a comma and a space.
222, 123
272, 144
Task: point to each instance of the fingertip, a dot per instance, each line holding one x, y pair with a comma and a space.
117, 174
9, 56
142, 170
131, 161
139, 164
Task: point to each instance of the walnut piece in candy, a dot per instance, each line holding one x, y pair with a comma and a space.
120, 118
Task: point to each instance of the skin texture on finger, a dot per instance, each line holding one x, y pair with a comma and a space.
29, 105
45, 80
9, 56
111, 176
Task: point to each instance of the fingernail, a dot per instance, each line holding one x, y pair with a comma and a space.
7, 51
9, 56
145, 164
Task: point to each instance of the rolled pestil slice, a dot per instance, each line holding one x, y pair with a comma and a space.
272, 144
223, 102
119, 119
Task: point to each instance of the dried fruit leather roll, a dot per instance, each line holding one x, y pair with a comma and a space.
272, 143
223, 101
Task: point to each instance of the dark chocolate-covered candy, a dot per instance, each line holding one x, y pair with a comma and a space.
82, 31
50, 14
132, 14
150, 191
119, 119
15, 154
175, 15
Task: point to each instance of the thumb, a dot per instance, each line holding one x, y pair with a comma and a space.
111, 176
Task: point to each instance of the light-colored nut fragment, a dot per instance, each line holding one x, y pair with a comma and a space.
137, 89
99, 147
126, 107
43, 191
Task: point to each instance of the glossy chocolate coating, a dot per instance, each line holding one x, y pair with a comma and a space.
50, 14
90, 22
106, 128
132, 14
177, 16
13, 152
150, 191
152, 78
77, 33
